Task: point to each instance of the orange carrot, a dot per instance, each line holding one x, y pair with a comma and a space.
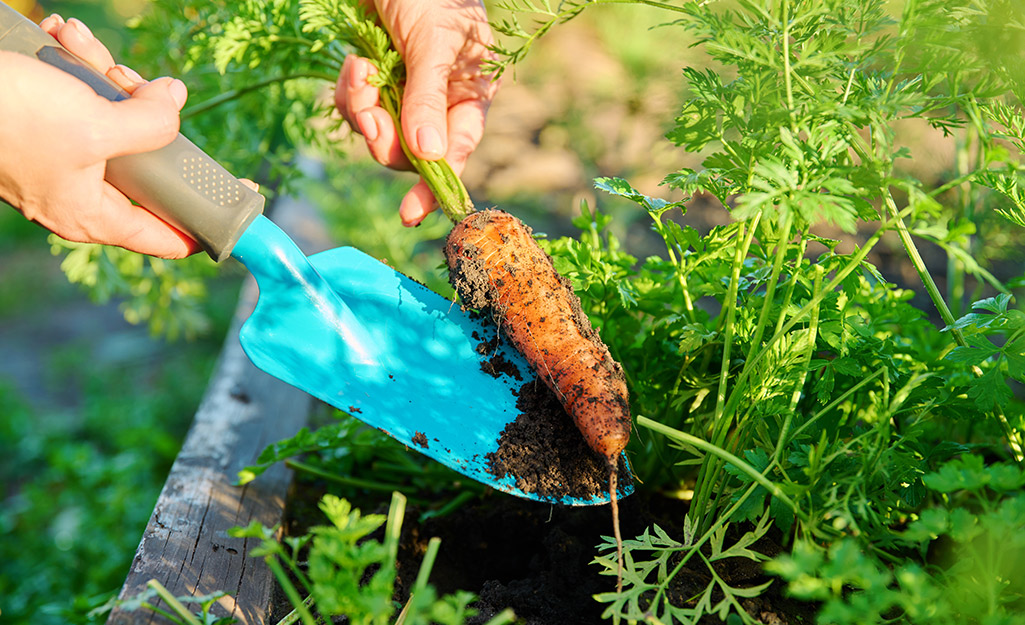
496, 265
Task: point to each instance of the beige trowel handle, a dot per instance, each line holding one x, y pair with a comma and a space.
179, 183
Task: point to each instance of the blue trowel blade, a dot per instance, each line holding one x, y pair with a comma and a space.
368, 340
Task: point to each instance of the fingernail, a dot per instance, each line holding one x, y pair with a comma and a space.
130, 74
367, 125
179, 92
429, 140
358, 78
81, 28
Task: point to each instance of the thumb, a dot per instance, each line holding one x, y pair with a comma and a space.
425, 106
147, 121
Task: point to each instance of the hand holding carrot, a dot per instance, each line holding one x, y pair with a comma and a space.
446, 97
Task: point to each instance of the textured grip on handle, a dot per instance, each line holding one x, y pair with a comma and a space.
186, 188
179, 183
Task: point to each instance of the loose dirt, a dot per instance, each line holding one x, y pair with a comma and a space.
537, 559
545, 452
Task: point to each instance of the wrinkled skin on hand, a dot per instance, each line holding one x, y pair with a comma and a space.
57, 135
443, 44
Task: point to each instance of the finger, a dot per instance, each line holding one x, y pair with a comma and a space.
416, 205
465, 130
136, 229
126, 78
52, 24
424, 105
76, 37
353, 93
377, 127
249, 183
146, 121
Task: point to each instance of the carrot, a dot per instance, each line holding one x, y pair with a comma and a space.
496, 265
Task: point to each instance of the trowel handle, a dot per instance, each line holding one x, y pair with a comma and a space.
179, 183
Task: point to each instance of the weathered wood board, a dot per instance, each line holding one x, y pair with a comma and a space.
185, 545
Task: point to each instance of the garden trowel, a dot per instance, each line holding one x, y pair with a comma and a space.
339, 325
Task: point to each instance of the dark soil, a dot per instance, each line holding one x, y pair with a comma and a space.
545, 452
536, 559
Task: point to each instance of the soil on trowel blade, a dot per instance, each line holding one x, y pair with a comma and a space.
542, 448
544, 451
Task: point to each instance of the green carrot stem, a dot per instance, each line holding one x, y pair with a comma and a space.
449, 191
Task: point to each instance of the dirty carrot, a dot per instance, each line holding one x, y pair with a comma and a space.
496, 266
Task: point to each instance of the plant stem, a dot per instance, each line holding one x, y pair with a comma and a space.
726, 456
289, 589
787, 81
427, 564
172, 601
770, 287
393, 530
297, 465
234, 94
809, 348
449, 191
723, 420
293, 616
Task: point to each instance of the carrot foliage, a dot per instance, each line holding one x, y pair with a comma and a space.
805, 363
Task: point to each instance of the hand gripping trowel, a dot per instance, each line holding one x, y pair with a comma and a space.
339, 325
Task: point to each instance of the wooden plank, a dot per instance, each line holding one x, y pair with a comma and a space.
185, 545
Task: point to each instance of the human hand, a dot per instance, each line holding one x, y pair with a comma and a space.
58, 134
446, 99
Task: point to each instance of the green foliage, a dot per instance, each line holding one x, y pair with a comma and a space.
176, 612
971, 544
831, 390
990, 389
76, 490
167, 295
348, 572
358, 460
645, 596
339, 558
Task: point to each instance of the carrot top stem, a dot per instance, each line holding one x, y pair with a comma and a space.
452, 196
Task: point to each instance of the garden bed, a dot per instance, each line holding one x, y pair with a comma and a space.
186, 547
536, 558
